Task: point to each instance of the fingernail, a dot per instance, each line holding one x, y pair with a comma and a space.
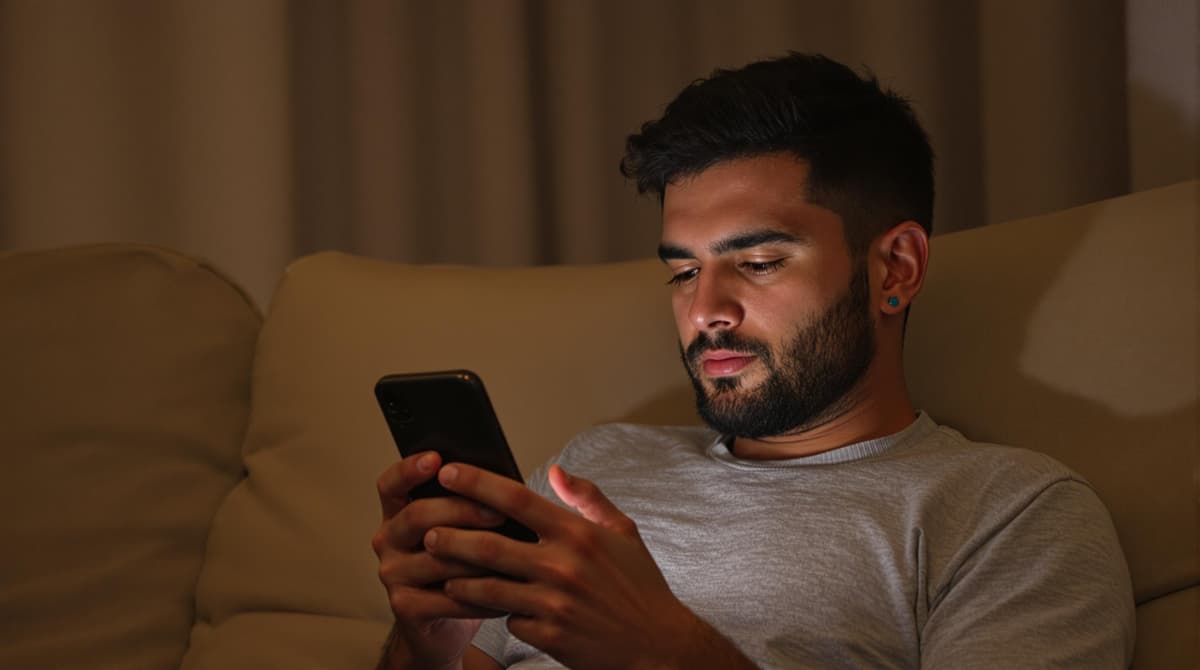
449, 474
425, 463
430, 539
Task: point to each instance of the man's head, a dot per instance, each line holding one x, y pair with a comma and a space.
869, 159
795, 193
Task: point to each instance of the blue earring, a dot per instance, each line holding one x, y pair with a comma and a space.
893, 301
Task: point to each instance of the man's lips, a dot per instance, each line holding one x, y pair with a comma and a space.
724, 363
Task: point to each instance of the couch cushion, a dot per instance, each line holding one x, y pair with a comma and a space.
295, 536
126, 381
1075, 334
290, 573
1167, 635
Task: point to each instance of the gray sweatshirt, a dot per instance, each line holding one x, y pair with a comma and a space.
917, 550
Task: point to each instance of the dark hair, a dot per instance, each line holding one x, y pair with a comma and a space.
869, 159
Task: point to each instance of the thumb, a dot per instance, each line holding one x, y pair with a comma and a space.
589, 501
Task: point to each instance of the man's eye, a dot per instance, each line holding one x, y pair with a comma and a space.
682, 277
763, 267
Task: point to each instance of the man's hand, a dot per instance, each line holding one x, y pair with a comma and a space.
589, 593
432, 629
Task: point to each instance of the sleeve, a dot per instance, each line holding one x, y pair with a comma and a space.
491, 638
1048, 589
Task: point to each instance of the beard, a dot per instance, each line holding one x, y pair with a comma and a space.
810, 382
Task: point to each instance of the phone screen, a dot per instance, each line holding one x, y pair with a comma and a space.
448, 412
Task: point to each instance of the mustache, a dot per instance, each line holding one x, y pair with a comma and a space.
727, 340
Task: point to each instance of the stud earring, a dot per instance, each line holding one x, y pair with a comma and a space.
893, 301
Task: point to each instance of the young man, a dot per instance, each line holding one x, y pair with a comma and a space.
822, 521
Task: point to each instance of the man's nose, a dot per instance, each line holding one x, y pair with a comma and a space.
714, 304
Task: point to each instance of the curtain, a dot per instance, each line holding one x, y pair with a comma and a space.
489, 131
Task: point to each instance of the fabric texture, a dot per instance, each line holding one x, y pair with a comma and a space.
918, 550
126, 374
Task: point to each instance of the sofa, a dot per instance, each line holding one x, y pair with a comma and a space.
189, 483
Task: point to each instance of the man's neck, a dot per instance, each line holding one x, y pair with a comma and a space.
857, 419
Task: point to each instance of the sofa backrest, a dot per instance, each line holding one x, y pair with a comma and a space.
1074, 334
289, 564
125, 381
127, 373
1030, 333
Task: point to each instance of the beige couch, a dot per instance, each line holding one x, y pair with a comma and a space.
188, 484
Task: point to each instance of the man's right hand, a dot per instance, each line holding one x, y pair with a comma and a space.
432, 631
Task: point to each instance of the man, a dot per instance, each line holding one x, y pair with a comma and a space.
822, 521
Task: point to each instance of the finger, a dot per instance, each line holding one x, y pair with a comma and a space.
419, 569
508, 497
536, 631
484, 549
420, 605
399, 479
590, 501
405, 530
500, 594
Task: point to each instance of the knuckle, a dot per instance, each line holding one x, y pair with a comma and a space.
522, 628
627, 526
413, 519
536, 631
516, 499
391, 482
560, 609
411, 570
389, 572
567, 575
464, 511
587, 487
488, 589
488, 546
434, 570
584, 538
552, 637
381, 486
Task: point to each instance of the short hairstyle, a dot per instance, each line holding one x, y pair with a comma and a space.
869, 159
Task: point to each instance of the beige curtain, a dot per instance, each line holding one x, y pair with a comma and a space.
488, 131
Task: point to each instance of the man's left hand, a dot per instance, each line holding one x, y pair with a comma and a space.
589, 593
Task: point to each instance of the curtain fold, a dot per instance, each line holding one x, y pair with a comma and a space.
489, 131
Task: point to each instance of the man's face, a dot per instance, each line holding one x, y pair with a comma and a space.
774, 321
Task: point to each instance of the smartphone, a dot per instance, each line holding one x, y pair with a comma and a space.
448, 412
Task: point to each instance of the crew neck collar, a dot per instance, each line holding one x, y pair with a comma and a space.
916, 430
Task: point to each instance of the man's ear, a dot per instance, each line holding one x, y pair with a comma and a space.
903, 256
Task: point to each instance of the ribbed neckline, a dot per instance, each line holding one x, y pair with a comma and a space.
918, 429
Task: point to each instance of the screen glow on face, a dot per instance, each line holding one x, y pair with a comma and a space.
806, 381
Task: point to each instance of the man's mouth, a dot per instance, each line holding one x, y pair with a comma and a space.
724, 363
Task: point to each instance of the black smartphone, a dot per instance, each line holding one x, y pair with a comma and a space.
448, 412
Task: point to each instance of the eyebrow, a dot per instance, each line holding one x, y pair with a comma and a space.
736, 242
